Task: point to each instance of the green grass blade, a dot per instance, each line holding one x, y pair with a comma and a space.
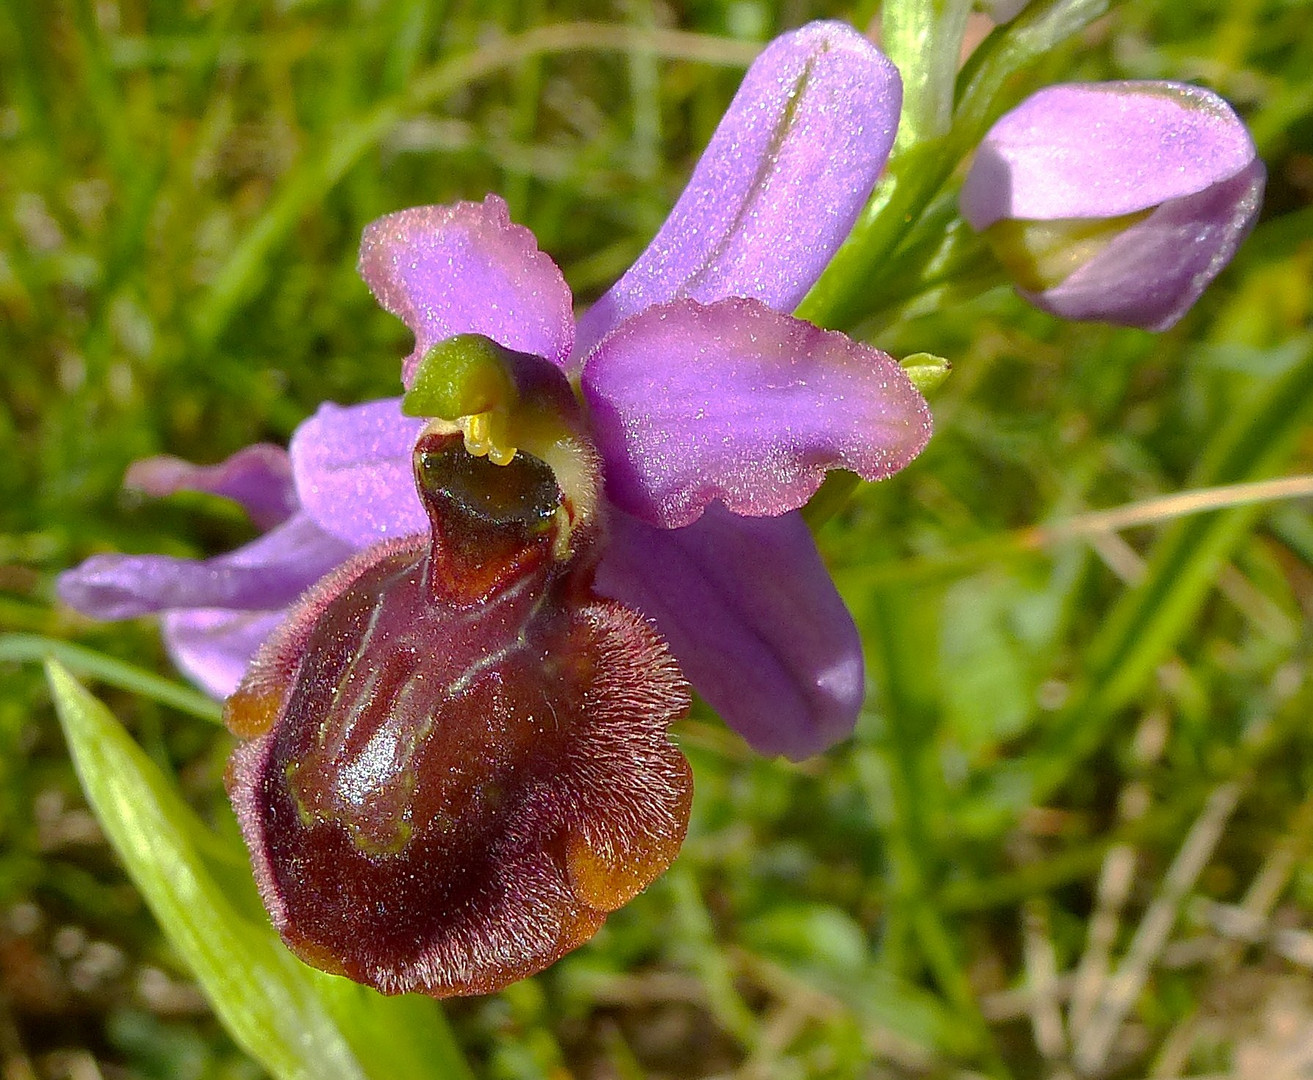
324, 167
26, 648
299, 1023
1148, 621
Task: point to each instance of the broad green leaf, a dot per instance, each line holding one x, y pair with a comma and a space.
299, 1023
810, 935
985, 674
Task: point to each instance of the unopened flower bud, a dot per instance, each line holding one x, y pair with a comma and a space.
1117, 202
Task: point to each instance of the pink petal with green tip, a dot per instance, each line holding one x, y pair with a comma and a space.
1151, 274
466, 268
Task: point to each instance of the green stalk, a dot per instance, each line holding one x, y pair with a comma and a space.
925, 159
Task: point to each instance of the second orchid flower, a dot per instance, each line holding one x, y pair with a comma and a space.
1116, 202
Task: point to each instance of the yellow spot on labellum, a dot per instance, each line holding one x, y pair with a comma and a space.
252, 710
606, 878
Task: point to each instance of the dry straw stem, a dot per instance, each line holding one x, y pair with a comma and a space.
1254, 912
1123, 988
1116, 878
1120, 991
1093, 527
1165, 508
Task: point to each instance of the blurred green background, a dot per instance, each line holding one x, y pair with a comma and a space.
1075, 822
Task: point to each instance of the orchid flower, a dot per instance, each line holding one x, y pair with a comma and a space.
716, 414
1116, 201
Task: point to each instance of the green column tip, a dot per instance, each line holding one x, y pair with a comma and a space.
461, 376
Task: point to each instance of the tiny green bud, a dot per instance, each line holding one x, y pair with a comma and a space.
926, 371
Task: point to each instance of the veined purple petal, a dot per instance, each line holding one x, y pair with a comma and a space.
270, 572
780, 185
466, 269
1151, 274
213, 647
735, 402
754, 620
258, 477
1099, 150
353, 471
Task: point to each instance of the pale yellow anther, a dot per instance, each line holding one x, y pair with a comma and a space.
477, 429
487, 434
501, 455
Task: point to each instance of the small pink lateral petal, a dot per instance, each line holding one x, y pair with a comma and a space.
467, 269
269, 572
258, 477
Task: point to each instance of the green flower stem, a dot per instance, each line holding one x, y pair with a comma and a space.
831, 497
943, 261
922, 163
912, 179
924, 40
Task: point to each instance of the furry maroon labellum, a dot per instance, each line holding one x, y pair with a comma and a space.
458, 760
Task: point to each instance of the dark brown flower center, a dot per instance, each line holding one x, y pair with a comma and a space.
459, 759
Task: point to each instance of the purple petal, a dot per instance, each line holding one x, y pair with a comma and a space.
465, 269
1101, 150
735, 402
780, 185
353, 471
270, 572
1152, 273
259, 477
213, 647
753, 618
